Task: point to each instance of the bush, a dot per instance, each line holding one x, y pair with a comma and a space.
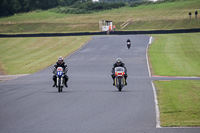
87, 7
138, 3
69, 10
135, 4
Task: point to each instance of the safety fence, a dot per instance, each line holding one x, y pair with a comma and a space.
103, 33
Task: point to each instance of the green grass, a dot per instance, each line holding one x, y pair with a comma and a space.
179, 103
172, 15
28, 55
47, 28
169, 24
175, 55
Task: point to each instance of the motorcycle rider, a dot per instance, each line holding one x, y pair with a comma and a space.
128, 40
128, 43
62, 64
118, 63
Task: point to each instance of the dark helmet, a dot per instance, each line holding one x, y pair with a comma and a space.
60, 59
119, 61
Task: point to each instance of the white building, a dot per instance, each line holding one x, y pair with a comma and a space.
105, 25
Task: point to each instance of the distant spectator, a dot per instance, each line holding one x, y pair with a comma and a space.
113, 27
196, 14
190, 14
110, 27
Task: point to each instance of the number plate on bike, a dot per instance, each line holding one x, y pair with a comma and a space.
59, 73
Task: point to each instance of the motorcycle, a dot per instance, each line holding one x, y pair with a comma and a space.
129, 45
60, 79
119, 78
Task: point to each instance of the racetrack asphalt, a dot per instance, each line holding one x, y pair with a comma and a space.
90, 104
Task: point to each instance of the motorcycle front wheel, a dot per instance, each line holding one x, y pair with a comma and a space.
120, 84
59, 85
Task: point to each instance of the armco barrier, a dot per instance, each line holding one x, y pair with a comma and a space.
102, 33
52, 34
156, 32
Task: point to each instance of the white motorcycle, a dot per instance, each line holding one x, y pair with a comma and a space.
119, 78
60, 80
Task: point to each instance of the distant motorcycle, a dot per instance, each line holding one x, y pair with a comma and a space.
60, 79
129, 45
119, 78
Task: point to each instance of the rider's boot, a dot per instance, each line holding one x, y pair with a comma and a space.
54, 80
66, 79
66, 84
54, 84
125, 82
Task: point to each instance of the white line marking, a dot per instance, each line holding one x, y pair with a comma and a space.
150, 40
147, 56
156, 106
154, 90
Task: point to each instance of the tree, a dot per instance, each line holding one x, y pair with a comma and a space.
10, 7
16, 7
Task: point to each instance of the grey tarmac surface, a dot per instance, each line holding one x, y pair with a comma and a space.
91, 104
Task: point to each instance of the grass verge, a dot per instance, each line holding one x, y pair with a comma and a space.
179, 103
175, 55
28, 55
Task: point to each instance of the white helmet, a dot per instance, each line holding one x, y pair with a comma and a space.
118, 60
60, 58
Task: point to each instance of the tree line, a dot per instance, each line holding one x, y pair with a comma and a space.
125, 1
10, 7
87, 7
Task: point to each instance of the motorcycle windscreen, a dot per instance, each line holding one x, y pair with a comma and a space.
119, 69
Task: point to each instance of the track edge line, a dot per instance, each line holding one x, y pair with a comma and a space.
156, 106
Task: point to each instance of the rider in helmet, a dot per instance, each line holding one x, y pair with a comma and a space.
62, 64
128, 40
119, 63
